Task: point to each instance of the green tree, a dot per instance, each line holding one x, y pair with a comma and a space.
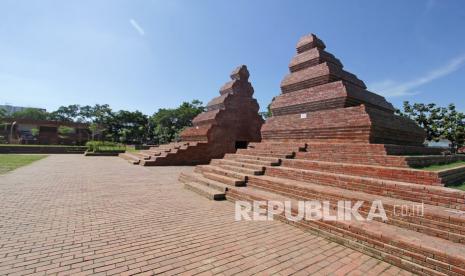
2, 114
99, 117
35, 131
267, 114
166, 124
128, 127
452, 126
427, 116
65, 113
31, 113
64, 130
86, 114
438, 122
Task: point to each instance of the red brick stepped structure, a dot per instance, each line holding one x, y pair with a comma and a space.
169, 154
234, 170
373, 154
231, 120
330, 139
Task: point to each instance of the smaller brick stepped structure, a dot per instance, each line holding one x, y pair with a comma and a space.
168, 154
230, 121
330, 139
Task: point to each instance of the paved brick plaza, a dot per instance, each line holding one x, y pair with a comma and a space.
70, 214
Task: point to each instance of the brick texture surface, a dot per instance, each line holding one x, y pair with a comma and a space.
71, 215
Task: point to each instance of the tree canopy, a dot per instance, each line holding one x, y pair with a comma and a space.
31, 113
122, 126
438, 122
2, 113
166, 124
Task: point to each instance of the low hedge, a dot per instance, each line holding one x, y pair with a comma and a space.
103, 146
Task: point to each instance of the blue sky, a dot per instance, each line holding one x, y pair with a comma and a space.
144, 55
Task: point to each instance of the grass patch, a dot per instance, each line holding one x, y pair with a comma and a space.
9, 162
443, 167
131, 149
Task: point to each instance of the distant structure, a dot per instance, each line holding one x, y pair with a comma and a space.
44, 132
330, 140
442, 143
230, 121
10, 109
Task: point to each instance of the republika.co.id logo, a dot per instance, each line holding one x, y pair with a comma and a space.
342, 210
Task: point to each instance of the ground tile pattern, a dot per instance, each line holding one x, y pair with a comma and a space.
69, 214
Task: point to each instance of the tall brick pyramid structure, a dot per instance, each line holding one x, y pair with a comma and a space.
230, 121
330, 139
320, 101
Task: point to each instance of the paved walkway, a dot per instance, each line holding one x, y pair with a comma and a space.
69, 214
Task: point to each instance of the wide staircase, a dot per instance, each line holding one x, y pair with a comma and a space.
234, 169
430, 242
180, 153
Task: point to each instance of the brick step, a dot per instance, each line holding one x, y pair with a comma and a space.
381, 160
433, 195
153, 152
171, 146
230, 181
199, 178
452, 176
239, 164
187, 153
277, 153
205, 191
160, 149
278, 145
374, 149
241, 169
221, 171
143, 155
168, 147
254, 162
154, 160
416, 252
387, 173
435, 221
131, 158
272, 160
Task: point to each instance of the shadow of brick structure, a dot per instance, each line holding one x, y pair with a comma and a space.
330, 139
231, 121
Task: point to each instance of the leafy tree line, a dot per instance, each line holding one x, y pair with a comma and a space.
165, 125
438, 122
122, 126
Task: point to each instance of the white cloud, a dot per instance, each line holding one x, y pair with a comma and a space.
390, 88
136, 26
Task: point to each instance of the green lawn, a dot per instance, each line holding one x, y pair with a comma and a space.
442, 167
9, 162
